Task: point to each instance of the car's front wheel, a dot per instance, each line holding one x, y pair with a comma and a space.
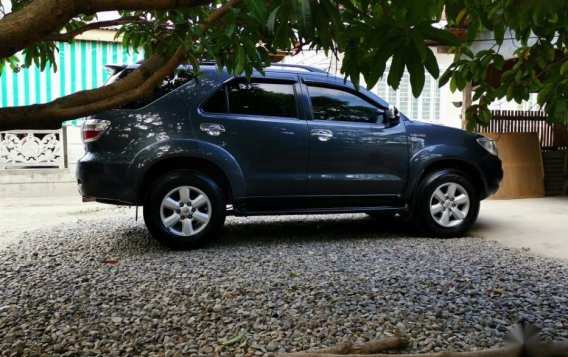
447, 204
184, 209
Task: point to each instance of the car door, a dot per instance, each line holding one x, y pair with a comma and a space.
353, 150
257, 122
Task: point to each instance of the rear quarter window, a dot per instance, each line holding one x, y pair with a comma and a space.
168, 85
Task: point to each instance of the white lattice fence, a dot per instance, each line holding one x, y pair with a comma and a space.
32, 148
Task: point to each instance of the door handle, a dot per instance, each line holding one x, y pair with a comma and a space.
212, 129
322, 134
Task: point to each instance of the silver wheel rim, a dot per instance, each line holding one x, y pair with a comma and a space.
185, 211
449, 204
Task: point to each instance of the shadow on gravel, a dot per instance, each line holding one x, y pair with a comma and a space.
270, 230
274, 230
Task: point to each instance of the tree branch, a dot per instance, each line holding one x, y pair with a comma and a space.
19, 29
133, 5
139, 84
361, 348
69, 36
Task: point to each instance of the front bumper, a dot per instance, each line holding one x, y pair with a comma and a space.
492, 174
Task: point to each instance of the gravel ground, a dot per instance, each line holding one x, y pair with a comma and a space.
104, 287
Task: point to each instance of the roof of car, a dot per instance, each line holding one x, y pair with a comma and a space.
277, 67
307, 72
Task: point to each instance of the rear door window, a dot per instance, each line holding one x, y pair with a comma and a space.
259, 98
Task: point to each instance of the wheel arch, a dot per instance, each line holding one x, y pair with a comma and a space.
170, 164
467, 168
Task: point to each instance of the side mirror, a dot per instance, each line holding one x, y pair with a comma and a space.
393, 115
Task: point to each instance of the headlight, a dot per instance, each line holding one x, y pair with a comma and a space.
488, 145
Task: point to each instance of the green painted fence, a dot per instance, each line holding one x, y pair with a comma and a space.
80, 66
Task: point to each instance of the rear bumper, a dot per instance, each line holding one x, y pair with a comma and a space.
99, 179
491, 173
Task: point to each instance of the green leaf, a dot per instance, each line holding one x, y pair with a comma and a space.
498, 61
240, 60
304, 17
499, 33
485, 115
461, 81
431, 64
419, 44
445, 77
466, 51
477, 95
272, 19
396, 70
473, 29
417, 77
461, 16
337, 25
234, 340
281, 36
379, 60
564, 68
470, 124
471, 115
257, 8
543, 95
443, 37
453, 85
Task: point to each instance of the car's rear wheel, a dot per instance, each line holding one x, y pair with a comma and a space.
447, 205
184, 209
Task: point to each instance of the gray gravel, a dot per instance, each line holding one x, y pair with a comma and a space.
103, 287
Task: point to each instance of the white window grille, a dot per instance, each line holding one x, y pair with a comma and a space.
426, 107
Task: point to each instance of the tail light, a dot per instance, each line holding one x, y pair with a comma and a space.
93, 129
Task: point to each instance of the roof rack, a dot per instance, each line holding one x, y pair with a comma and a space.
118, 67
297, 66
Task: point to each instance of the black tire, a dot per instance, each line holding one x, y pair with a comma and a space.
421, 210
198, 184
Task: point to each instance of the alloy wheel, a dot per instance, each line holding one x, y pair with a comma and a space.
449, 204
185, 211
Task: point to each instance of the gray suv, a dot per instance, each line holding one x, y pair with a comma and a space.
295, 140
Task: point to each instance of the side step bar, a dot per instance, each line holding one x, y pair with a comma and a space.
300, 211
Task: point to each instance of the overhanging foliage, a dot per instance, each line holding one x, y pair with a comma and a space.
241, 35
